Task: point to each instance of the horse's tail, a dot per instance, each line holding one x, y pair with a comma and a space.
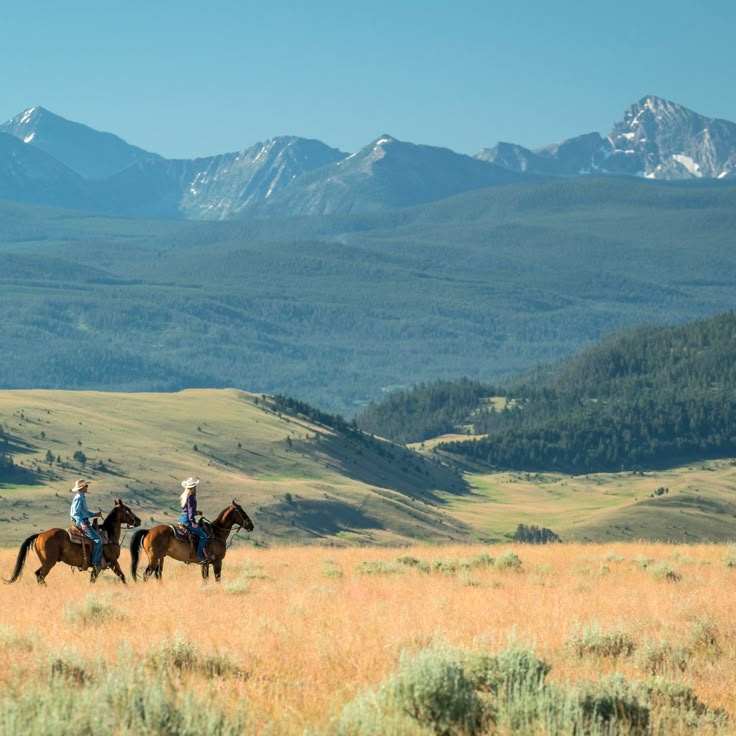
135, 549
22, 554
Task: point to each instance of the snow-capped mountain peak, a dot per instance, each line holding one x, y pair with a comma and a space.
91, 153
657, 139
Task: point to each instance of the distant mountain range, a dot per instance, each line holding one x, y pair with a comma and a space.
45, 159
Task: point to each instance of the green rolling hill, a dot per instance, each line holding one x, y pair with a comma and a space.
306, 477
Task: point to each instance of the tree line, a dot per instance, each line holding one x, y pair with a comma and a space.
650, 397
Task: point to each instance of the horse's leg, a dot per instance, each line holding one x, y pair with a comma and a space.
154, 557
41, 574
217, 567
150, 570
205, 572
48, 555
115, 567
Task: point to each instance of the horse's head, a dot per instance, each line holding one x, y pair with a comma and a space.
240, 517
126, 515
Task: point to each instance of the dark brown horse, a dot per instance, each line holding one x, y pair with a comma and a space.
161, 542
54, 545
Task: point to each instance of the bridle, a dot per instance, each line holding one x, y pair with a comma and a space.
231, 537
128, 521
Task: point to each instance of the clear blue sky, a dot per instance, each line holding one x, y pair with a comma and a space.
188, 79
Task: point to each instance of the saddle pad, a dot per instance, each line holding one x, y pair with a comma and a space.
77, 536
180, 532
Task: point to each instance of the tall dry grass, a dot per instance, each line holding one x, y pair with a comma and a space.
294, 634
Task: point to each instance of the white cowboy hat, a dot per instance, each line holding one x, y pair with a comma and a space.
190, 483
81, 483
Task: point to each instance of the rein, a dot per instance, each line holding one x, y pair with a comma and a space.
229, 539
126, 526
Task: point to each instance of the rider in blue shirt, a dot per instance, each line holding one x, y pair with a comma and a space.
189, 513
80, 516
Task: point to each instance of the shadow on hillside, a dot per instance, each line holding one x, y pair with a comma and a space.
12, 445
322, 517
692, 503
383, 464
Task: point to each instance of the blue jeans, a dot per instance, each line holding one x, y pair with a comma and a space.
198, 532
96, 544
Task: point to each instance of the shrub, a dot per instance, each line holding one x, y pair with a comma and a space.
239, 587
507, 560
704, 637
11, 639
658, 658
729, 559
613, 701
331, 569
123, 700
510, 672
415, 563
174, 654
662, 571
378, 567
433, 688
446, 691
180, 655
446, 566
92, 611
67, 665
482, 560
594, 642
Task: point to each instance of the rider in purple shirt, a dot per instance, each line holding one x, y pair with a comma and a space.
189, 513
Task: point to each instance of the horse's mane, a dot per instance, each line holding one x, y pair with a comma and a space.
107, 524
220, 517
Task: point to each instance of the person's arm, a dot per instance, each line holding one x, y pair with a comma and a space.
192, 509
84, 513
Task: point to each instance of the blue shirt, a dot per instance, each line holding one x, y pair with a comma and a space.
79, 511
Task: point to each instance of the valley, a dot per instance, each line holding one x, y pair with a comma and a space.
304, 482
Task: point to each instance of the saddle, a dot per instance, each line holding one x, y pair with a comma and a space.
77, 536
182, 534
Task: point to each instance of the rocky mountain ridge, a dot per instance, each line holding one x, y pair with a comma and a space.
657, 139
45, 159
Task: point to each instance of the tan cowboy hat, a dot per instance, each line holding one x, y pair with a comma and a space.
190, 483
81, 483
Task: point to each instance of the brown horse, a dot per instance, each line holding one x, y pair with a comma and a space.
161, 541
54, 545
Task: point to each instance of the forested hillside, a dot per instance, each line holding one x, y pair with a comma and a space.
339, 311
651, 397
426, 411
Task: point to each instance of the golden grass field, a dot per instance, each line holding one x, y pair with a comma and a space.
306, 629
360, 554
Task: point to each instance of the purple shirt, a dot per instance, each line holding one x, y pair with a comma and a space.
190, 508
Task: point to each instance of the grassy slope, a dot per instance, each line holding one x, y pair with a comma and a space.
338, 490
700, 504
303, 483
